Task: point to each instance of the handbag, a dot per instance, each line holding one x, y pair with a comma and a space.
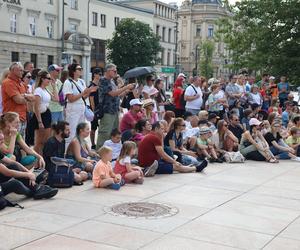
88, 112
62, 174
234, 157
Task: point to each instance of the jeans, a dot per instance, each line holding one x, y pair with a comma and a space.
282, 155
188, 159
193, 111
57, 116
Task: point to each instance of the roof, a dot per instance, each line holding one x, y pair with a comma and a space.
123, 5
217, 2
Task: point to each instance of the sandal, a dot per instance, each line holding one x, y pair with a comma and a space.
272, 160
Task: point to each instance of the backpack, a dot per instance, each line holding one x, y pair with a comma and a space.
62, 174
6, 203
62, 99
182, 100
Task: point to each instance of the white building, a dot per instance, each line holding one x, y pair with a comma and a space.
164, 25
32, 30
104, 17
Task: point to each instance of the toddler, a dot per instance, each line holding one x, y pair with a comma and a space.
103, 175
129, 173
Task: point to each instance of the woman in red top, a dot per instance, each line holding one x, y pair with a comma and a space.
177, 93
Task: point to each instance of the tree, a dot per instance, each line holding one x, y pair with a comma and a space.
264, 35
207, 48
133, 44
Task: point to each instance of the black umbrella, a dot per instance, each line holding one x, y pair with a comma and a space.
138, 71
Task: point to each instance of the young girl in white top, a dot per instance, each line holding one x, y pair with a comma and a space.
129, 172
42, 115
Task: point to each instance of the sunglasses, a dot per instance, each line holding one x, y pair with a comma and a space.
29, 77
80, 69
48, 78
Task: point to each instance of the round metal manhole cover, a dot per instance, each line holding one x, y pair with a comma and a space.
142, 210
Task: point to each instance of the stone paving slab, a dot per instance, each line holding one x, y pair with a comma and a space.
255, 205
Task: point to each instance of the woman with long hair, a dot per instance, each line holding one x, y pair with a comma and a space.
225, 139
148, 106
14, 143
42, 114
160, 98
177, 93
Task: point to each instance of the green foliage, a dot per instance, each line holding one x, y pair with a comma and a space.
207, 48
264, 35
133, 44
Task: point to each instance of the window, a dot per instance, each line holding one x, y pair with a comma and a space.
168, 58
198, 31
33, 59
163, 37
32, 26
74, 4
50, 26
157, 30
117, 21
95, 18
103, 20
50, 60
13, 23
169, 35
162, 56
14, 56
73, 27
50, 2
210, 32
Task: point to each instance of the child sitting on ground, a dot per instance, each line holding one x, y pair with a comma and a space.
115, 144
205, 148
103, 175
129, 172
293, 140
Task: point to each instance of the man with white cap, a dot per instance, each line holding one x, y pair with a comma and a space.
132, 116
57, 110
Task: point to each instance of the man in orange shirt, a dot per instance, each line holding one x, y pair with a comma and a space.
14, 94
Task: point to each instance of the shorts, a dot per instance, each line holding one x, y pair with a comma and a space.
46, 120
164, 167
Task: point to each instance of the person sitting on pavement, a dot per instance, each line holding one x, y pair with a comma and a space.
80, 151
235, 126
55, 147
149, 113
153, 158
115, 144
142, 128
15, 146
293, 140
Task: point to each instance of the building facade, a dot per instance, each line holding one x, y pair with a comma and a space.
44, 32
197, 23
104, 17
165, 26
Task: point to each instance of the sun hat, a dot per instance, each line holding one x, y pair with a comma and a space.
148, 102
254, 121
204, 130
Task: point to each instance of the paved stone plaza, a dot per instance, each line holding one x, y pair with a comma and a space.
249, 206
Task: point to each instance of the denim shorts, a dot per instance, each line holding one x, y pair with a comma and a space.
164, 167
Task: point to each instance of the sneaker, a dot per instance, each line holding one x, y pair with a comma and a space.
203, 165
114, 186
122, 182
295, 159
150, 171
44, 192
212, 160
41, 176
219, 160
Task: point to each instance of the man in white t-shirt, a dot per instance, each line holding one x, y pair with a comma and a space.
149, 87
193, 97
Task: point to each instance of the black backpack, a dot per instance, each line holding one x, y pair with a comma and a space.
182, 101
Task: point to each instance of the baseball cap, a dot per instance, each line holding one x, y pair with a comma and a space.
135, 102
204, 130
54, 67
272, 78
254, 121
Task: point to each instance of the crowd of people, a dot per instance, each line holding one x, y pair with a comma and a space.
49, 116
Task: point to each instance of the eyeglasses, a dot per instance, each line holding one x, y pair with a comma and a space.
48, 78
29, 77
80, 69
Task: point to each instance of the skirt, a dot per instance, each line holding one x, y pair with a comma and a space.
46, 120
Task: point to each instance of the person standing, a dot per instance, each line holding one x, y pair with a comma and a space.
14, 95
110, 101
193, 97
76, 93
232, 91
94, 101
56, 109
284, 90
